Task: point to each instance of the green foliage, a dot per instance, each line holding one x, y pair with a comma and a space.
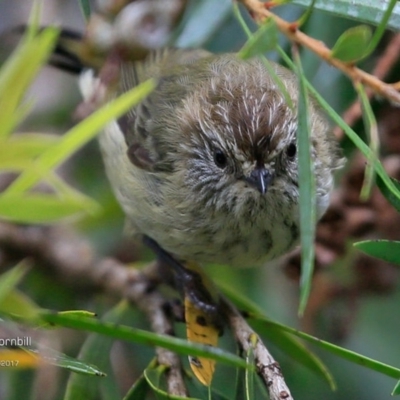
265, 324
384, 249
35, 157
307, 190
15, 78
265, 39
10, 279
141, 337
353, 44
360, 10
389, 194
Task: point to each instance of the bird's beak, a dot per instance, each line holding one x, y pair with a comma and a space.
260, 178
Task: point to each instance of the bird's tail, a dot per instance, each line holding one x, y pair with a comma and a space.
68, 52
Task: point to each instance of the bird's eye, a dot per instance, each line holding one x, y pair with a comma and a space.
291, 150
220, 158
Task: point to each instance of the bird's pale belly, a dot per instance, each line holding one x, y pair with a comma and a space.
244, 245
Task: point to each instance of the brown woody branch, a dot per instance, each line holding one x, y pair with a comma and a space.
73, 261
267, 368
383, 66
260, 12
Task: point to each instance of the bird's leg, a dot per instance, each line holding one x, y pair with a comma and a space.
189, 282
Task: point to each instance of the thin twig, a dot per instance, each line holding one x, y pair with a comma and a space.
268, 369
383, 66
260, 12
73, 261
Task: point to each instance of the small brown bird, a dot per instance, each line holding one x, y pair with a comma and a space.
207, 164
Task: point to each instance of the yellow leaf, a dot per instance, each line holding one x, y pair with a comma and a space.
200, 329
18, 358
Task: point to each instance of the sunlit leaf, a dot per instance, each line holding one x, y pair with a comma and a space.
15, 77
78, 136
19, 305
78, 313
38, 208
11, 278
18, 151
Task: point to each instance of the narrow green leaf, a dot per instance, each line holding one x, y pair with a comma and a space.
11, 278
238, 16
79, 313
371, 129
71, 195
19, 305
360, 10
289, 345
85, 8
143, 337
341, 352
240, 387
390, 197
138, 390
336, 118
19, 71
263, 40
305, 17
353, 44
277, 80
249, 374
96, 350
396, 390
34, 19
38, 208
18, 151
79, 135
153, 377
381, 27
358, 142
306, 190
61, 360
386, 250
